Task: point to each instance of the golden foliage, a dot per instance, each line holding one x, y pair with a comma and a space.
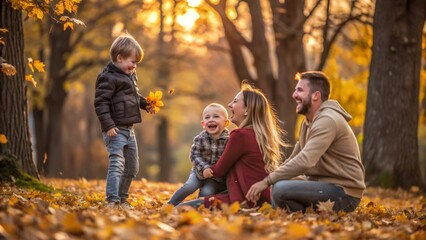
79, 213
37, 64
154, 99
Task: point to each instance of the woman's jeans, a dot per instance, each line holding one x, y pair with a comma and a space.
207, 187
123, 163
297, 195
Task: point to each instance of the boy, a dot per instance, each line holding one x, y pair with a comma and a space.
117, 104
205, 151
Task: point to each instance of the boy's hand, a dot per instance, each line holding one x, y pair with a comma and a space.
112, 132
150, 109
208, 173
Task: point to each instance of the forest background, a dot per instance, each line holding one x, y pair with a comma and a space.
197, 52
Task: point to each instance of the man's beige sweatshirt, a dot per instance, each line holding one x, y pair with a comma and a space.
327, 151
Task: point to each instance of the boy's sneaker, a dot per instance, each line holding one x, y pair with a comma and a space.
126, 206
113, 205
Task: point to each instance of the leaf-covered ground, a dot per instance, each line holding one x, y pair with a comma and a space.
78, 212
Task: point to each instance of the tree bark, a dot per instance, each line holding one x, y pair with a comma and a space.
13, 104
288, 28
390, 150
165, 162
55, 99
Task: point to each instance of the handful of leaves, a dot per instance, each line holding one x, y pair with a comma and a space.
154, 99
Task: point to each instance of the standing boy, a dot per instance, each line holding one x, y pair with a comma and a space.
117, 104
205, 151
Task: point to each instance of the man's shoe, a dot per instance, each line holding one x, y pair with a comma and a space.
126, 206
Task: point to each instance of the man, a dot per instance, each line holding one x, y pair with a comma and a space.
326, 156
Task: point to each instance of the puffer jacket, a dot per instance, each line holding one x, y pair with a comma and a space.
117, 101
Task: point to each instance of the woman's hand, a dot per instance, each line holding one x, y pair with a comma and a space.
253, 193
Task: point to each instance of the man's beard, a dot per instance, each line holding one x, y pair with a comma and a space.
306, 105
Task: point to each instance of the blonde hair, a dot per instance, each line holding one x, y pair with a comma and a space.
125, 45
262, 117
221, 108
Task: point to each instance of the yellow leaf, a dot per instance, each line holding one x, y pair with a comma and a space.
297, 76
266, 207
401, 217
39, 65
8, 69
63, 18
190, 217
297, 230
4, 30
234, 207
154, 99
3, 139
68, 25
71, 224
37, 13
166, 209
45, 158
30, 79
2, 42
230, 209
59, 9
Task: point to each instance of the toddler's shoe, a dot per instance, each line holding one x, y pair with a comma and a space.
113, 205
126, 206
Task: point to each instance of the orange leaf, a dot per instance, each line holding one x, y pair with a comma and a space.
8, 69
3, 139
30, 79
297, 230
68, 25
39, 65
71, 224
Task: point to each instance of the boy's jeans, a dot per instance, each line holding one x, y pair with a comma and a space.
207, 187
123, 163
297, 195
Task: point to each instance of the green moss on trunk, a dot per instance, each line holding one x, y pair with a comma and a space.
11, 171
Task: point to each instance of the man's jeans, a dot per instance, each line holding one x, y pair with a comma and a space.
207, 187
297, 195
123, 163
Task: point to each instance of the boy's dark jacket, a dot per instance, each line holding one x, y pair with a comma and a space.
117, 100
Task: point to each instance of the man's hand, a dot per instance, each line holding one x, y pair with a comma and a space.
253, 193
208, 173
112, 132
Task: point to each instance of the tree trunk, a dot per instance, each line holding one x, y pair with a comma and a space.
390, 151
13, 105
166, 163
291, 59
55, 100
163, 75
288, 49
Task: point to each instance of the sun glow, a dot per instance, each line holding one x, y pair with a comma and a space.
194, 3
188, 19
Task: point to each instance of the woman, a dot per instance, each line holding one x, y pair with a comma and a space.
253, 149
